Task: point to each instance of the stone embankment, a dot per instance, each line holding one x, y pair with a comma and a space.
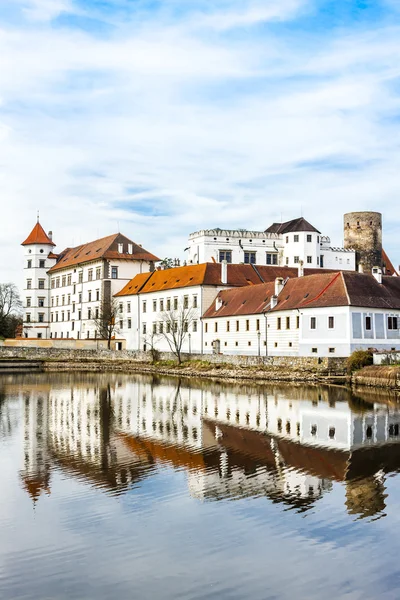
211, 366
378, 377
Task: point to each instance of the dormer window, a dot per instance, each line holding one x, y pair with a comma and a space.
130, 248
120, 248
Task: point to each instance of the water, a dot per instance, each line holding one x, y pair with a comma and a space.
116, 486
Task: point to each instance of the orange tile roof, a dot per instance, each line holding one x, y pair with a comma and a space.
134, 286
106, 248
389, 268
38, 236
192, 275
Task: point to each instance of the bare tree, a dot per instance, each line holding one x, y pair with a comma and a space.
150, 341
10, 309
105, 321
175, 324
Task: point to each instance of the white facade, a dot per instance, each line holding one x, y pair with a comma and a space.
322, 332
262, 248
36, 293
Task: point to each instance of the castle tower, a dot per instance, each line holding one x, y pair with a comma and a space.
363, 233
38, 258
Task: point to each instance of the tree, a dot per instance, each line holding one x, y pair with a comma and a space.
150, 341
175, 327
106, 320
10, 309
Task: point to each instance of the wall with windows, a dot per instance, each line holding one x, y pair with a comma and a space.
301, 246
338, 258
36, 293
325, 332
375, 328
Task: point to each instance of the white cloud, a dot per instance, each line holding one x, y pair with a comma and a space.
169, 125
44, 10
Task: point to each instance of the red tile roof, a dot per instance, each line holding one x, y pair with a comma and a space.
387, 263
106, 248
38, 236
343, 288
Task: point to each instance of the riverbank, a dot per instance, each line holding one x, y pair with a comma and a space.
378, 377
235, 368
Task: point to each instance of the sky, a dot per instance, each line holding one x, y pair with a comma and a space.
158, 118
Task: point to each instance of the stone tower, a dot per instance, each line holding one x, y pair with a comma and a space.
363, 233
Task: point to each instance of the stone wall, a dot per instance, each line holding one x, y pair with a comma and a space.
379, 377
104, 358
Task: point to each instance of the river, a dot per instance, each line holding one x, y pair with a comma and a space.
127, 486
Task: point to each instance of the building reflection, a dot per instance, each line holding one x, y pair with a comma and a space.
286, 444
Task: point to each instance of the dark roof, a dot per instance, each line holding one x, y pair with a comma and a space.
387, 263
342, 288
106, 248
295, 225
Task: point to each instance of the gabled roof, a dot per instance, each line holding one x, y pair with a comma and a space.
342, 288
387, 263
105, 248
38, 236
295, 225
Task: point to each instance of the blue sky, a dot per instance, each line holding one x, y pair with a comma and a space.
167, 116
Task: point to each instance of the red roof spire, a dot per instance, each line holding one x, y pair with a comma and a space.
38, 236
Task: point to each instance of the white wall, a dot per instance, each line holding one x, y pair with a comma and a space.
34, 328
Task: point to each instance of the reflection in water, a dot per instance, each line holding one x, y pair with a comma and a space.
288, 444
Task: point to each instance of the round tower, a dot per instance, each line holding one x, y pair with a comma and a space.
363, 233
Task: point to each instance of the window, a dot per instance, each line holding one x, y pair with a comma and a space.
69, 279
175, 303
58, 282
57, 317
41, 284
154, 327
237, 325
194, 301
80, 297
309, 260
68, 316
52, 317
287, 322
42, 264
154, 305
394, 430
272, 259
41, 302
250, 258
89, 313
90, 275
62, 315
309, 237
114, 272
331, 322
161, 327
79, 315
313, 430
287, 239
297, 322
168, 328
29, 284
258, 325
121, 324
73, 307
39, 336
120, 248
186, 302
161, 304
392, 323
206, 327
144, 329
216, 327
313, 322
80, 277
74, 289
98, 272
332, 350
295, 238
28, 302
130, 248
144, 306
225, 255
296, 259
247, 325
228, 325
69, 299
279, 323
194, 326
287, 260
96, 313
128, 307
314, 350
53, 284
129, 323
168, 303
368, 323
28, 317
29, 264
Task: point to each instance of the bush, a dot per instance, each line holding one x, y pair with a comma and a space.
358, 360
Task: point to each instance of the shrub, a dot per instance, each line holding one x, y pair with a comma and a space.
358, 360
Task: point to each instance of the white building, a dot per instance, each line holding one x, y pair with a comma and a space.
64, 293
282, 244
327, 314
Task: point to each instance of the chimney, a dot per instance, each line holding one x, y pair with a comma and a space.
360, 268
300, 272
50, 236
224, 272
274, 301
278, 286
377, 273
218, 303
